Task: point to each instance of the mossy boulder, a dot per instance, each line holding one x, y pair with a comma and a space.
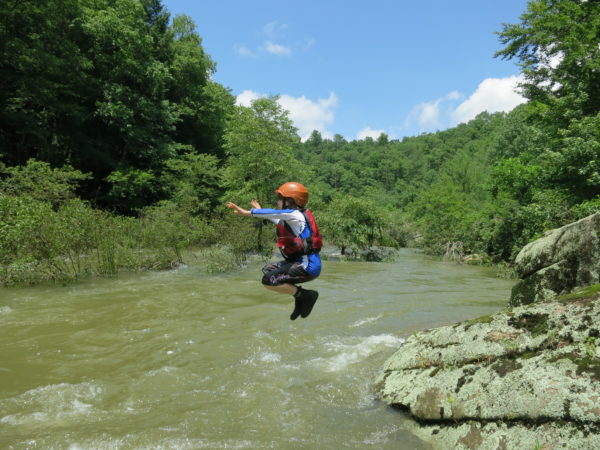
562, 260
526, 377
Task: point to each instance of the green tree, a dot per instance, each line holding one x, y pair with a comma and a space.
38, 180
350, 222
556, 44
43, 77
315, 140
201, 105
131, 118
574, 163
519, 177
194, 182
443, 213
132, 189
110, 88
259, 142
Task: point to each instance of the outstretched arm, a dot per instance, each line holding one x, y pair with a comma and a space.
237, 210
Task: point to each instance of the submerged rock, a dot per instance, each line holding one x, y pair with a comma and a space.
371, 254
526, 377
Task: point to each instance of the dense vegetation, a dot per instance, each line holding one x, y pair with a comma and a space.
118, 151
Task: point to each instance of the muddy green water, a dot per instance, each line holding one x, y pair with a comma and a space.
182, 359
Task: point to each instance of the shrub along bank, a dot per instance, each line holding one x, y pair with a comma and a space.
41, 243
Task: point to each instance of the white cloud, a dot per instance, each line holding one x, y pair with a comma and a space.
243, 50
307, 115
277, 49
273, 33
430, 115
307, 44
274, 29
548, 57
492, 95
246, 97
369, 132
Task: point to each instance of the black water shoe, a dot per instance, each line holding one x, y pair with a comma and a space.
309, 298
297, 306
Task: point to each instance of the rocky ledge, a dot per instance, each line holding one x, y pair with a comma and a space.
527, 377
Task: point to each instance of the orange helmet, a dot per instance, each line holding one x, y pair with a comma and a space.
295, 191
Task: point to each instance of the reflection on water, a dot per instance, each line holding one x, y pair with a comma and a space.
181, 359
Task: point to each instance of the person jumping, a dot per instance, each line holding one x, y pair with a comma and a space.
299, 241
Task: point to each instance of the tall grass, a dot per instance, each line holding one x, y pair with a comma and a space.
41, 243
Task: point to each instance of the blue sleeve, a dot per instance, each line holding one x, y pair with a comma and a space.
264, 211
292, 217
274, 214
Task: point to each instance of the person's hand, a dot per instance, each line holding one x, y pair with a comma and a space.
237, 210
255, 204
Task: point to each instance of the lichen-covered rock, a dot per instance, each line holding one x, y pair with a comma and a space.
508, 436
562, 260
526, 377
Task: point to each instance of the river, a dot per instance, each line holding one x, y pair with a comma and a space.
183, 359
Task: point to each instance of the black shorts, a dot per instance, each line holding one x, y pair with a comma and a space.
282, 272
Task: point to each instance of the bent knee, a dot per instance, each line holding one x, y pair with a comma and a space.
270, 279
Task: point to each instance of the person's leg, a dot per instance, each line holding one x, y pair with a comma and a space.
285, 288
305, 299
282, 277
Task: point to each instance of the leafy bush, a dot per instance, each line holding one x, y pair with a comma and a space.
39, 181
350, 222
587, 208
443, 214
39, 243
132, 189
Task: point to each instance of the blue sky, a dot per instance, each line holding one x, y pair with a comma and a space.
359, 68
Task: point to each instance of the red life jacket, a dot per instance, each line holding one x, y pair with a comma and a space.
291, 245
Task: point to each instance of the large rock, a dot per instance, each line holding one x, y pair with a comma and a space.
562, 260
527, 377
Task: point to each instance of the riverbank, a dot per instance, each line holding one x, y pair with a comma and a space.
41, 244
121, 260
